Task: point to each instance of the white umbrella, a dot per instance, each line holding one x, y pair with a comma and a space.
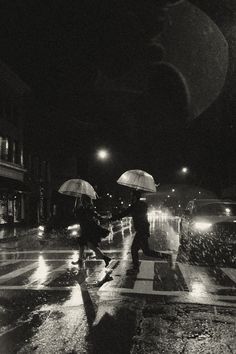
138, 179
76, 187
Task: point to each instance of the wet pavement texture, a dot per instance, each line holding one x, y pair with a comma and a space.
47, 305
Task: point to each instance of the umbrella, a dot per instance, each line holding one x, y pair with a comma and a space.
138, 179
76, 187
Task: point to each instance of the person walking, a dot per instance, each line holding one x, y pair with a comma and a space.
91, 232
138, 212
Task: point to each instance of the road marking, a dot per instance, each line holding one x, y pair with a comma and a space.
51, 274
59, 251
13, 261
34, 287
146, 273
191, 276
18, 272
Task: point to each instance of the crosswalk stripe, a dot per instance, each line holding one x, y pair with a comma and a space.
146, 270
12, 261
143, 286
231, 273
18, 272
35, 287
49, 276
58, 251
179, 296
55, 273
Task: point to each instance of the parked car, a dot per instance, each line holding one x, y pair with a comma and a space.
57, 227
69, 232
208, 225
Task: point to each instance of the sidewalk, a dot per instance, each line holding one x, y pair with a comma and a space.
183, 328
8, 234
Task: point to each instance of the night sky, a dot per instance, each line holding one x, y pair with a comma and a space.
69, 51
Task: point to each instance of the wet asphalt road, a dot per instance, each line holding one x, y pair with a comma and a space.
47, 305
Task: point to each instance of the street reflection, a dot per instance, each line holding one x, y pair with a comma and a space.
75, 298
41, 272
198, 289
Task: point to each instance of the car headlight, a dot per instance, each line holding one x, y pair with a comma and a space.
202, 226
73, 227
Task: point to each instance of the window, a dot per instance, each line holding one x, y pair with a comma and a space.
4, 148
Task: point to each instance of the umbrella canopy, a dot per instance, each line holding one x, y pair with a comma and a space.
76, 187
138, 179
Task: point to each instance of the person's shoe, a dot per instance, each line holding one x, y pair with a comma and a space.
133, 270
107, 260
78, 262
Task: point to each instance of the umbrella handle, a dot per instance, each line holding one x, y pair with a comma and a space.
76, 202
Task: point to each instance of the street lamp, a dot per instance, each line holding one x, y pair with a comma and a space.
102, 154
184, 170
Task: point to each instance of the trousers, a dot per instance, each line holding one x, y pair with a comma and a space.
141, 242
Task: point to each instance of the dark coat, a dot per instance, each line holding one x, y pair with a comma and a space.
90, 230
138, 212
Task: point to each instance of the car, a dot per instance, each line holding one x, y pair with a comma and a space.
208, 226
69, 232
57, 227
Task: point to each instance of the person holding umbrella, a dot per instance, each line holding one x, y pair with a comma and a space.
140, 181
91, 233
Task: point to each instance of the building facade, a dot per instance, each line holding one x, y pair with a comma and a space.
13, 189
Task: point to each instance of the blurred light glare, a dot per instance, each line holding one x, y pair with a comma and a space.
173, 190
228, 211
102, 154
202, 226
184, 169
72, 227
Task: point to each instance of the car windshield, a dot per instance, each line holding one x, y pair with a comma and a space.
219, 209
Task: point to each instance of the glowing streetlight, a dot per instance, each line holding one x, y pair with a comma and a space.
184, 170
102, 154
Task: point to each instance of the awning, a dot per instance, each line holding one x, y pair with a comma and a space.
10, 184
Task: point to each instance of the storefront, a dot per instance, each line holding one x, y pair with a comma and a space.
12, 194
11, 207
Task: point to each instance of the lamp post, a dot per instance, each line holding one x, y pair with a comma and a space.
103, 154
184, 170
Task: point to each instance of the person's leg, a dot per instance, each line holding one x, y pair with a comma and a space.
134, 251
99, 253
144, 245
81, 254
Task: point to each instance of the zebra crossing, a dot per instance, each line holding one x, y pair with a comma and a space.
52, 270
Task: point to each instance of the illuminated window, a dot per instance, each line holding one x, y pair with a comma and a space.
4, 148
